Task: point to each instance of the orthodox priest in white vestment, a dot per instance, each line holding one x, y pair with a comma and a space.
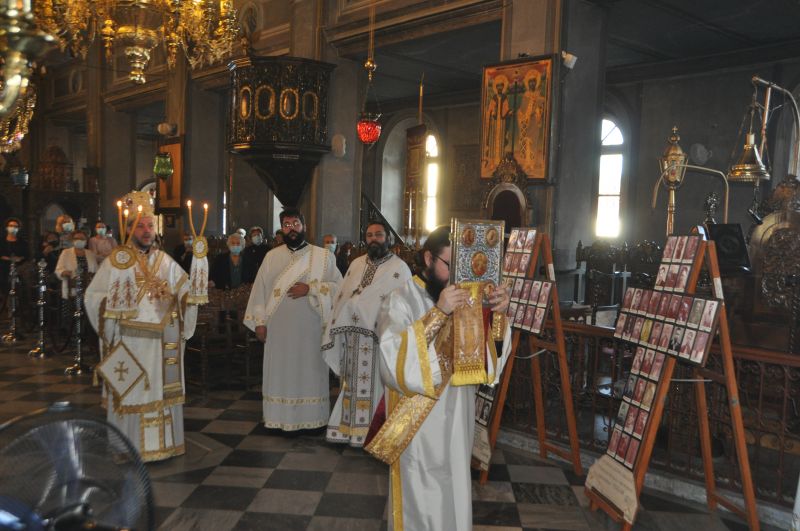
138, 302
350, 342
428, 432
290, 301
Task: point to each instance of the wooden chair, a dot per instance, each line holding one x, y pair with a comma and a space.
209, 342
245, 349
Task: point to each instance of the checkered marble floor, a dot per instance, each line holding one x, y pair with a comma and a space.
236, 475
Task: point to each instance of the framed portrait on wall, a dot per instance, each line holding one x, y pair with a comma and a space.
516, 115
168, 196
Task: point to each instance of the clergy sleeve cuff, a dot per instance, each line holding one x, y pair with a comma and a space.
433, 321
499, 325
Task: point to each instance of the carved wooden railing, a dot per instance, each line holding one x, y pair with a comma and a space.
769, 385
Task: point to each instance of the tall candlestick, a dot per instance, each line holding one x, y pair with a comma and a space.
121, 227
205, 218
135, 222
191, 221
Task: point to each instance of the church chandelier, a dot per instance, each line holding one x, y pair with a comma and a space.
205, 30
14, 126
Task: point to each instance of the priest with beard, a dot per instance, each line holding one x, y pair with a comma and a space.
435, 349
291, 299
350, 343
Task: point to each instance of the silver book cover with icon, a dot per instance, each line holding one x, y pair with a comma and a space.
477, 251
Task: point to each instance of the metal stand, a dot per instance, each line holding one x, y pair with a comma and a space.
78, 367
11, 336
39, 351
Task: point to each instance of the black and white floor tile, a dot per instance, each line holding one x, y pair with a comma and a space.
237, 475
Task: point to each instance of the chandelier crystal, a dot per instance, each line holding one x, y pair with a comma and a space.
14, 126
206, 30
21, 43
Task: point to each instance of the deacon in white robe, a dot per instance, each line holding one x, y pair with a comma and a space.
350, 342
428, 434
137, 303
290, 300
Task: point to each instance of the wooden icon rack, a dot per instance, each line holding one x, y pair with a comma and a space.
542, 250
706, 254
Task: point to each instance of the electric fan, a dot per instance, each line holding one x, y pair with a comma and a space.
62, 469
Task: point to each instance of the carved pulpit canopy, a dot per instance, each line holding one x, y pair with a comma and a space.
279, 119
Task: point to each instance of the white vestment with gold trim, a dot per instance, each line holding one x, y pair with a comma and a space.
142, 355
431, 485
350, 343
296, 391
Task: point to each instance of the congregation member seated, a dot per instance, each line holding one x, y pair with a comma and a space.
226, 269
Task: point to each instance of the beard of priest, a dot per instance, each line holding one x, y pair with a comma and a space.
144, 233
295, 239
377, 250
427, 358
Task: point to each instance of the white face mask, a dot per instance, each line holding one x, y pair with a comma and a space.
257, 239
187, 242
12, 230
331, 247
79, 244
101, 231
67, 227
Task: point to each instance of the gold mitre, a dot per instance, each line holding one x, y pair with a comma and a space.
134, 199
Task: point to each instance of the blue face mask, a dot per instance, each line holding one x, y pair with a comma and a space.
235, 249
67, 227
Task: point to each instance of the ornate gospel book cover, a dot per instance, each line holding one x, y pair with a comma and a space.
477, 251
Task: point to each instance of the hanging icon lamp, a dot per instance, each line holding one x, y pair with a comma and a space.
369, 126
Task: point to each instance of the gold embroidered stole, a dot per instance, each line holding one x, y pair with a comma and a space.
404, 420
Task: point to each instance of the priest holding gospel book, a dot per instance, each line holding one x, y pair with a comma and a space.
432, 360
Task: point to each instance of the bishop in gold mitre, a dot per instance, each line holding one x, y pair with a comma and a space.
138, 303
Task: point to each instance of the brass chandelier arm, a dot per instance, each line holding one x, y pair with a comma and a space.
796, 115
700, 169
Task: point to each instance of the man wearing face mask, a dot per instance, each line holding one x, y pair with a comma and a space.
12, 249
350, 343
331, 243
253, 255
183, 252
291, 299
101, 243
226, 271
69, 259
64, 227
428, 432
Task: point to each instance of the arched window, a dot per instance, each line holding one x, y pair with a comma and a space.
610, 184
431, 181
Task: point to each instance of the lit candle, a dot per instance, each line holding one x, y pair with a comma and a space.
205, 218
191, 222
121, 227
